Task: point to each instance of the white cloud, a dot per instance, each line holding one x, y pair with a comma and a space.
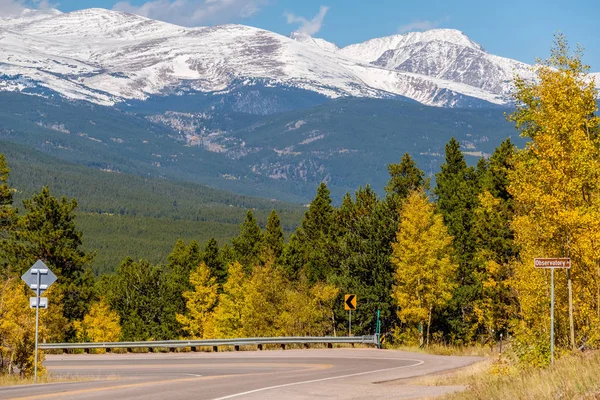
194, 12
308, 27
11, 8
418, 25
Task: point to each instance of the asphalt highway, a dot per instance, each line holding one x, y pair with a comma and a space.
287, 374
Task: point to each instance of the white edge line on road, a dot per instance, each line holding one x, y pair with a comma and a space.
231, 396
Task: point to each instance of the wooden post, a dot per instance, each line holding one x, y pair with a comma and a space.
571, 323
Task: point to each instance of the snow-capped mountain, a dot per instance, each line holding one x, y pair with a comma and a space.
107, 57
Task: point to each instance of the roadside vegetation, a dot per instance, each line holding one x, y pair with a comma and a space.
448, 266
573, 376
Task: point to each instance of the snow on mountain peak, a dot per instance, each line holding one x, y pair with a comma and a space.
321, 43
372, 49
106, 56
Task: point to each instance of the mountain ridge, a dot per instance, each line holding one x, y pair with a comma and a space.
109, 57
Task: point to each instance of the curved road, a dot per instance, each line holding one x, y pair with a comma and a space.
289, 374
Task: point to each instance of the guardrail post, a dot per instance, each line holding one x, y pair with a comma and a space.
236, 347
330, 345
87, 351
260, 347
306, 345
282, 346
150, 349
129, 350
171, 349
194, 348
108, 349
216, 349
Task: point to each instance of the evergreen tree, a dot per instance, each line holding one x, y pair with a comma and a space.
249, 243
313, 249
7, 212
139, 295
457, 190
175, 278
213, 260
405, 177
367, 231
274, 236
47, 231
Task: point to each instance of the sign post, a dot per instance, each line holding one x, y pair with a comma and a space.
38, 278
378, 329
552, 264
350, 304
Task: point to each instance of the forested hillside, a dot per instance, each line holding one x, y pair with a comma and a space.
127, 215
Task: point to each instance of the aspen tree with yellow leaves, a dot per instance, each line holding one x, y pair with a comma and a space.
228, 314
422, 256
556, 188
17, 330
201, 302
101, 324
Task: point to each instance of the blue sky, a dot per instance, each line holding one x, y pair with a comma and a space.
520, 29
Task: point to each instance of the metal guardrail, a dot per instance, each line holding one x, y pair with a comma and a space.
214, 343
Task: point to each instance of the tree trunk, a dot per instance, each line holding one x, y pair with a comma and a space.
429, 325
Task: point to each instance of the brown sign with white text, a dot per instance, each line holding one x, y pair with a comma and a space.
552, 262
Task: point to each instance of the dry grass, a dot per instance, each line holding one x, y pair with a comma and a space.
447, 350
572, 377
12, 380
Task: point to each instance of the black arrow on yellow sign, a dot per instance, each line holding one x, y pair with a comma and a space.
350, 302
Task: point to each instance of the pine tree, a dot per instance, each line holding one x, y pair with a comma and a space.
313, 249
367, 227
249, 243
212, 258
422, 255
456, 190
7, 213
274, 236
175, 278
405, 177
47, 231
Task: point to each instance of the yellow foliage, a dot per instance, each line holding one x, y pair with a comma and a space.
422, 258
198, 323
264, 298
101, 324
556, 189
17, 330
308, 311
228, 314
